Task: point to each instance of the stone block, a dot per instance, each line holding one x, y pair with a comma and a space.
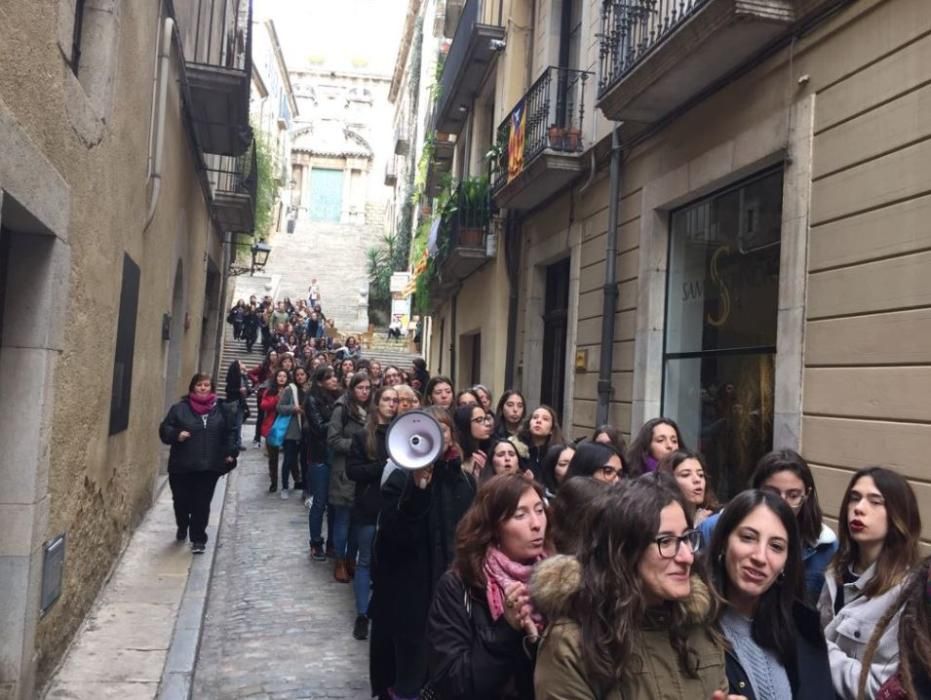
25, 413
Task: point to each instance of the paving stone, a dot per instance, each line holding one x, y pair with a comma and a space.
277, 624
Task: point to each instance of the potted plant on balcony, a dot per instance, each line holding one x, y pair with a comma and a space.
573, 138
554, 136
473, 211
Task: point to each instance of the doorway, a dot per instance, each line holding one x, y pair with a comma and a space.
555, 335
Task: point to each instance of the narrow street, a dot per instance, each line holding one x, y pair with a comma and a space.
277, 624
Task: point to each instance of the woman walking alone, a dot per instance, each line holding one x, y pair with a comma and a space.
202, 437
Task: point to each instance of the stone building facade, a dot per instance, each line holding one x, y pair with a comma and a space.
339, 143
111, 263
766, 240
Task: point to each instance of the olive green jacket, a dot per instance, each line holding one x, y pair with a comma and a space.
560, 672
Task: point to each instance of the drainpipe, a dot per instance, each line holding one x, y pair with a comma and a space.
610, 285
452, 338
511, 247
155, 162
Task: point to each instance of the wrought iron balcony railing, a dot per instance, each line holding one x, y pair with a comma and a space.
630, 29
472, 49
234, 186
550, 116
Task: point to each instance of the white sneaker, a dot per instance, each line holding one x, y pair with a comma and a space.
308, 502
284, 494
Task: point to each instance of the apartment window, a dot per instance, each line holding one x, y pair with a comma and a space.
120, 393
720, 345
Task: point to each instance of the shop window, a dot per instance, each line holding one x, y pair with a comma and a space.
120, 392
722, 302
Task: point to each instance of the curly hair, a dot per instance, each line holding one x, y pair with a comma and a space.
610, 605
914, 641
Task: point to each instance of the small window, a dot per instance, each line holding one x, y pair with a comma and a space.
721, 315
121, 391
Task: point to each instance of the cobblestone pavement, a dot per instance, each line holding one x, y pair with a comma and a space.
277, 624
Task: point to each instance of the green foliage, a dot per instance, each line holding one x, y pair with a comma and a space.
267, 188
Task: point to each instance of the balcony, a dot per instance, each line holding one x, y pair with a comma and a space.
467, 61
402, 144
539, 144
441, 163
658, 54
219, 92
461, 236
233, 185
391, 173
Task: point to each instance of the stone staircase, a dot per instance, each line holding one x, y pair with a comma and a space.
236, 350
389, 352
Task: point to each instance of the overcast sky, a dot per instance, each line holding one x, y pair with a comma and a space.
341, 33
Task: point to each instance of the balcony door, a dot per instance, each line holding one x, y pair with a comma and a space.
570, 56
555, 334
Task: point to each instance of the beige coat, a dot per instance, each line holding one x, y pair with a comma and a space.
560, 671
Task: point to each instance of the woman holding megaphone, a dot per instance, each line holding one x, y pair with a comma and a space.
414, 546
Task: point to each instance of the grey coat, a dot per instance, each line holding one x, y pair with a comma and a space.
288, 407
849, 632
339, 439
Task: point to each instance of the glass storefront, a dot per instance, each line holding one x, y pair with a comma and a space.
720, 346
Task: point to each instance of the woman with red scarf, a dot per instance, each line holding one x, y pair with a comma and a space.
202, 436
482, 629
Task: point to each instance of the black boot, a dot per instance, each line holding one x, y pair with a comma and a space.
360, 630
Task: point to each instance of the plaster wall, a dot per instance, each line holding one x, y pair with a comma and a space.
99, 486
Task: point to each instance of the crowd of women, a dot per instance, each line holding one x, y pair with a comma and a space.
522, 564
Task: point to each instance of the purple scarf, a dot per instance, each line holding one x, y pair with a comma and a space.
501, 572
650, 463
202, 404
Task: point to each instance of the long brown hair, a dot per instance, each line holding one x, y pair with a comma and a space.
610, 604
900, 550
914, 601
555, 435
372, 422
669, 463
496, 502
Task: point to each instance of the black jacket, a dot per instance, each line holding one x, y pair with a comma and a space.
235, 381
811, 678
366, 472
413, 548
471, 655
317, 412
213, 438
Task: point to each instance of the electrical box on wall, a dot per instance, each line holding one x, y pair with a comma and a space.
53, 568
581, 360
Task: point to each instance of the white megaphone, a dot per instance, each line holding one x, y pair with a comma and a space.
414, 440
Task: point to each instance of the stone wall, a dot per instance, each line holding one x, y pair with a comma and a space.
73, 182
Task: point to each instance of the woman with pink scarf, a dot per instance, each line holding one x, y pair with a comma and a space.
202, 435
482, 629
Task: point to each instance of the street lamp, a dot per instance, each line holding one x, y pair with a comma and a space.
260, 251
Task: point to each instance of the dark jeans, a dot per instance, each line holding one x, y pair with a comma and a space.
290, 465
259, 417
318, 482
192, 493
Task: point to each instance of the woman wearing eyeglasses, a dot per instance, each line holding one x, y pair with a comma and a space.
473, 430
776, 648
786, 473
597, 460
630, 617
